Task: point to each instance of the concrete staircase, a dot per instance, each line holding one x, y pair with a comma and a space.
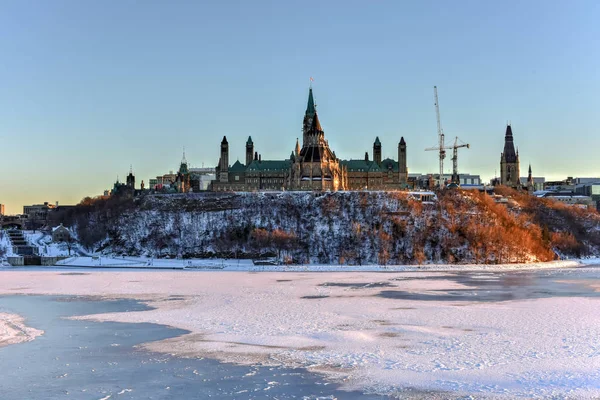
24, 253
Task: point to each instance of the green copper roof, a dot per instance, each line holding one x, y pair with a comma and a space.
377, 142
249, 140
361, 165
310, 108
237, 167
183, 168
269, 165
389, 164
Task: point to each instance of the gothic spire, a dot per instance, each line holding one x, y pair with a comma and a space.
509, 154
297, 146
530, 177
249, 140
508, 132
310, 107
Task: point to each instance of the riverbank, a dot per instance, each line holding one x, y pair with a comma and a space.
508, 334
250, 265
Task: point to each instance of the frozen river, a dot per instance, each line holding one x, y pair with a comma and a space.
92, 360
303, 335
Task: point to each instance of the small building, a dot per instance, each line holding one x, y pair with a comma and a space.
539, 182
592, 190
60, 233
567, 197
37, 214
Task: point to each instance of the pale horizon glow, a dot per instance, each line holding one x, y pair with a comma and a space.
90, 88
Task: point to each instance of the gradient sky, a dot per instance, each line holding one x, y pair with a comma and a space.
89, 87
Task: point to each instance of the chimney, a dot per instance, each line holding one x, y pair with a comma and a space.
260, 158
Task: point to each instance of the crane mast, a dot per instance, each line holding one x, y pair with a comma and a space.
440, 137
455, 177
441, 147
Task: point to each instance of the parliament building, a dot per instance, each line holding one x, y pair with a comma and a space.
314, 166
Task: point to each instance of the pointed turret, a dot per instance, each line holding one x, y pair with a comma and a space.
530, 184
377, 151
183, 167
224, 164
130, 178
297, 147
402, 170
249, 150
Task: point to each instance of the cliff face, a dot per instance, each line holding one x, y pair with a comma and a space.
342, 227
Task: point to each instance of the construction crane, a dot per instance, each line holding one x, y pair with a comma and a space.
442, 148
455, 177
454, 148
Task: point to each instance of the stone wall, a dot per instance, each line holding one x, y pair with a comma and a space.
49, 261
16, 261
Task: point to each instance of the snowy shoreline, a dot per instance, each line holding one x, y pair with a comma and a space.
340, 325
248, 265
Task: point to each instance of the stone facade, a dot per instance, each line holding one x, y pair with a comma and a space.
60, 234
314, 166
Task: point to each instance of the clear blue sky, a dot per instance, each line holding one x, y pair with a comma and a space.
89, 87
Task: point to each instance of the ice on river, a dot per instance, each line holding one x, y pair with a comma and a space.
352, 326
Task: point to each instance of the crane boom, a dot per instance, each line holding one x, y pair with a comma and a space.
440, 137
441, 147
455, 177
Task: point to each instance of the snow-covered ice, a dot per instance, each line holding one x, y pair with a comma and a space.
338, 324
13, 330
